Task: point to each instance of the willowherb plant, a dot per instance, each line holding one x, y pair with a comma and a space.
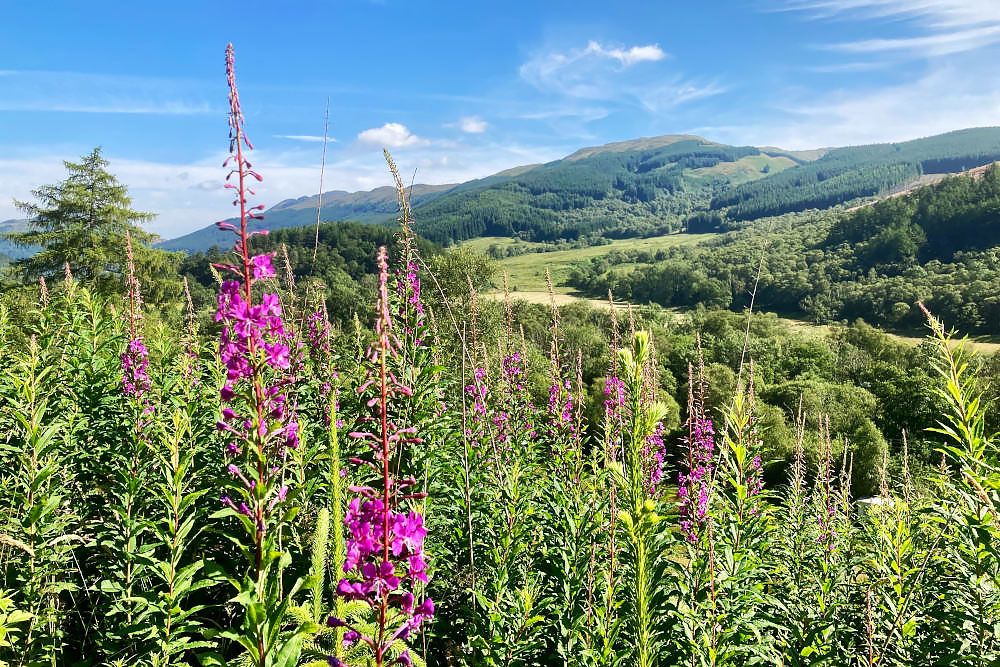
384, 556
135, 358
259, 425
639, 516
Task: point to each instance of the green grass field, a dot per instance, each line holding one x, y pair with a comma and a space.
526, 272
743, 170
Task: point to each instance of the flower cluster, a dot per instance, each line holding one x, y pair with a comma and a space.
694, 486
561, 403
384, 580
135, 369
653, 455
477, 391
253, 347
318, 335
614, 395
135, 358
408, 290
513, 371
385, 560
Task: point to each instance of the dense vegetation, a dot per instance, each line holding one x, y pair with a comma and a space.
844, 174
436, 478
937, 245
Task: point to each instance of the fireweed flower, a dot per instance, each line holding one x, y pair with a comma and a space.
653, 453
694, 485
253, 348
385, 560
135, 358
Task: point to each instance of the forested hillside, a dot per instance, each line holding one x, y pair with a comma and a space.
844, 174
938, 245
628, 190
641, 187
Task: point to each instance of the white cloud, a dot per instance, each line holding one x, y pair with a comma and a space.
391, 135
472, 124
627, 57
306, 138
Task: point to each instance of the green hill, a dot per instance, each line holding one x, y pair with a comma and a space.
643, 187
633, 188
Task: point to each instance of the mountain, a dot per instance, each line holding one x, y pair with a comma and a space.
843, 174
642, 187
9, 251
631, 188
376, 205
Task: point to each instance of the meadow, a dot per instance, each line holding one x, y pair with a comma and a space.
443, 479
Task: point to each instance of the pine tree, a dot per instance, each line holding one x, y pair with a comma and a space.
82, 221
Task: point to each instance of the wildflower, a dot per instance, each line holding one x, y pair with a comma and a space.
693, 486
384, 556
653, 453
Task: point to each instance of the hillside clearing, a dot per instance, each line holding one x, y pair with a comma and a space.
526, 272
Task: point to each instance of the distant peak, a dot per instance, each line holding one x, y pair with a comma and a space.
642, 143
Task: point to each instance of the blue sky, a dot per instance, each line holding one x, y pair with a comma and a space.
459, 90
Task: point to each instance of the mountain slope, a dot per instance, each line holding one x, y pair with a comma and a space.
938, 244
843, 174
8, 250
630, 188
376, 205
642, 187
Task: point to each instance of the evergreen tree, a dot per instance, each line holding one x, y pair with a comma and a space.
82, 221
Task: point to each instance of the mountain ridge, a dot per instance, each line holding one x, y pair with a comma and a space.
638, 187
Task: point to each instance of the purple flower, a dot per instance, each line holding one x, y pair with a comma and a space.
135, 369
694, 486
653, 453
262, 267
384, 556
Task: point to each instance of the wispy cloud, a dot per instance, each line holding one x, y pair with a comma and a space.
391, 135
948, 97
472, 125
845, 68
306, 138
937, 44
78, 92
613, 74
932, 28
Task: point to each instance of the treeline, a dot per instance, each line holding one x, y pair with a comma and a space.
938, 246
344, 264
861, 171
